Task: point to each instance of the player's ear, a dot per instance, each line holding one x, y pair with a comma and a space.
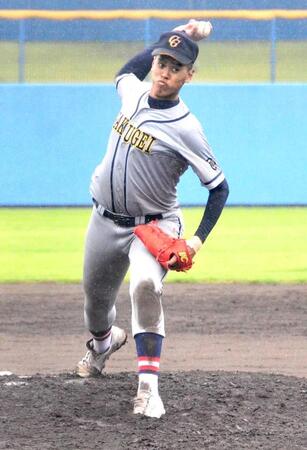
190, 74
153, 61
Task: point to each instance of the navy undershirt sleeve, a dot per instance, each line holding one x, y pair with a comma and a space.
140, 64
215, 204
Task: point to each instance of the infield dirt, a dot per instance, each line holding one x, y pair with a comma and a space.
233, 371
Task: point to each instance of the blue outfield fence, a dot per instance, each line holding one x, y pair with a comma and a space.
53, 136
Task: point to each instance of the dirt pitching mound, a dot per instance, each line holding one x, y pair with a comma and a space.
234, 371
214, 410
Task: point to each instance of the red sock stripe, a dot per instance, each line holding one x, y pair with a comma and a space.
148, 369
149, 358
148, 364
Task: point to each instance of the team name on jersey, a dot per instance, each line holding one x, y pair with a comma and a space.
133, 135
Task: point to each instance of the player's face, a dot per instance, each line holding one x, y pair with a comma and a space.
168, 77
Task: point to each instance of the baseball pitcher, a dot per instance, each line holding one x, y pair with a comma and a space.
136, 220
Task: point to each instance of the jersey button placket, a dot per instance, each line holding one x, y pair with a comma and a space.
119, 185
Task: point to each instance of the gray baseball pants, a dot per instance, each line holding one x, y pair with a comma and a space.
110, 250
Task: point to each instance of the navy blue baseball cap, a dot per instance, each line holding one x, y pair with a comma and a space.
178, 45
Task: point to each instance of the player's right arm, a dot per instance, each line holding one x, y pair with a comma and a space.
139, 65
129, 79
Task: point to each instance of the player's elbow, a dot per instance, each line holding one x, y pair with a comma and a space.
225, 187
222, 188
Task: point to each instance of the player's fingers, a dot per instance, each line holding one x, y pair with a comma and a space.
193, 25
191, 251
171, 264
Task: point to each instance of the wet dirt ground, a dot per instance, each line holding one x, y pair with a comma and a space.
233, 371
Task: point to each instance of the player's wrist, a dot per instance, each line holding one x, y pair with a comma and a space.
195, 243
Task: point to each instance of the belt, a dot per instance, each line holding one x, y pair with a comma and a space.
125, 221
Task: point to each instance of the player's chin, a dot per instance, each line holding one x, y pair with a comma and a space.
160, 90
164, 93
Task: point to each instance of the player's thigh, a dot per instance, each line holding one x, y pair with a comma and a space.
144, 267
146, 282
146, 276
105, 260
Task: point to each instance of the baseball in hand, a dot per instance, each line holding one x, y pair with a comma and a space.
196, 29
204, 28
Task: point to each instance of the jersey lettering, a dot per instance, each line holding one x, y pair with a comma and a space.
133, 135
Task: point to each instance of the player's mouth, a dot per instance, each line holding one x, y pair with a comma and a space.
161, 83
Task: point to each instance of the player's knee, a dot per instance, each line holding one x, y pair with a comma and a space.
147, 304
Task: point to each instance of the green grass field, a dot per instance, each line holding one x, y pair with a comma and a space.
98, 62
247, 245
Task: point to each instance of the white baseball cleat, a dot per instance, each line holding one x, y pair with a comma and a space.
148, 404
93, 363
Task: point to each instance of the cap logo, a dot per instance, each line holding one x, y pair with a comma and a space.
174, 41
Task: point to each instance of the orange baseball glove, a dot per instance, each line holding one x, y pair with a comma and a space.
163, 247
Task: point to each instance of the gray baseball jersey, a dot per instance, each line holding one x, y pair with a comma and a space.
148, 150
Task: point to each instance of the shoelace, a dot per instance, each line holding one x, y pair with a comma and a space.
86, 358
143, 397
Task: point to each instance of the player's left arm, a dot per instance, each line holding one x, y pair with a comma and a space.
215, 205
200, 157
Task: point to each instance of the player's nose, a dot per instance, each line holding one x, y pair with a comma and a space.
165, 72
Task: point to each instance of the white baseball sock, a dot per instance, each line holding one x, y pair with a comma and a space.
148, 380
103, 343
